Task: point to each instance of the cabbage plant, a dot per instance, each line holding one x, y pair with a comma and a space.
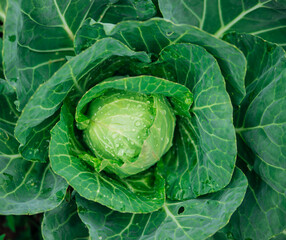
140, 119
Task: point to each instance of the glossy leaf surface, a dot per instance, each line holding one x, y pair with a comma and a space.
63, 222
264, 18
261, 140
26, 187
261, 120
176, 220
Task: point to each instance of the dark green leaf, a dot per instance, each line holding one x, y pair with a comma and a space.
262, 206
36, 148
63, 223
25, 187
265, 18
43, 35
261, 119
261, 131
191, 219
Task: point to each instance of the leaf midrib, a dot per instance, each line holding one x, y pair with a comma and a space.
65, 25
223, 29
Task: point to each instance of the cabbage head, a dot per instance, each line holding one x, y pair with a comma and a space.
129, 132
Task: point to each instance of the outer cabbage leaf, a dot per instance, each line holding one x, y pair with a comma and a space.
63, 222
37, 146
192, 219
26, 187
41, 34
261, 119
153, 35
261, 132
48, 98
264, 18
28, 31
262, 206
204, 151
